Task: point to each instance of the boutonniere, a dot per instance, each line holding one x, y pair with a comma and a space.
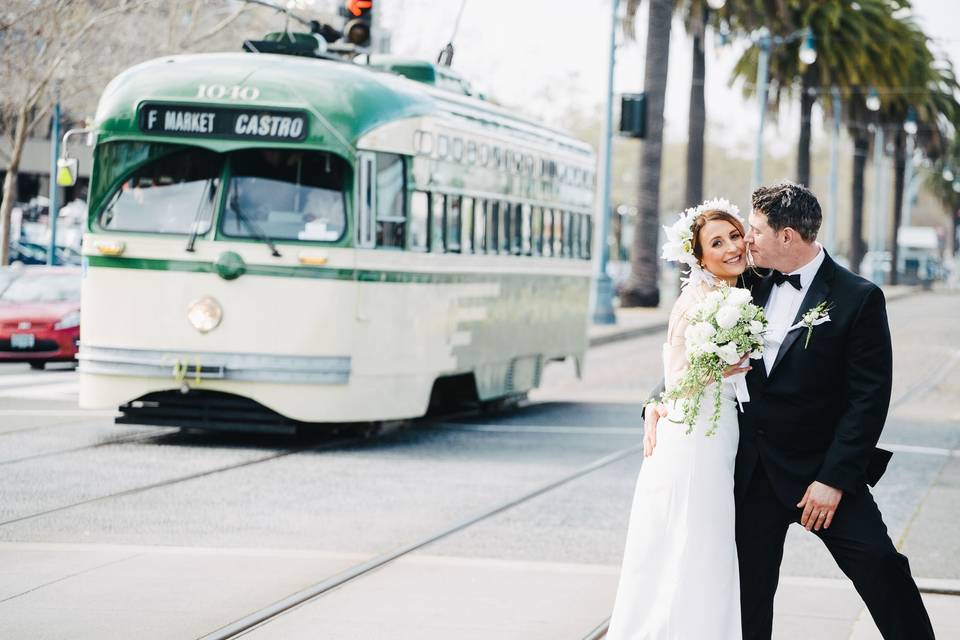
817, 315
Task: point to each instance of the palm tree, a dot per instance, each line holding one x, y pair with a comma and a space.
948, 191
853, 48
642, 287
928, 94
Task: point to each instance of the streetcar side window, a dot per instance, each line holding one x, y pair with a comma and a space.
516, 230
503, 229
558, 233
452, 224
438, 216
285, 195
547, 232
175, 193
390, 215
526, 231
574, 235
480, 226
536, 230
586, 236
493, 221
466, 229
419, 220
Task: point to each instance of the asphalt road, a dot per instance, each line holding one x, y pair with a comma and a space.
83, 501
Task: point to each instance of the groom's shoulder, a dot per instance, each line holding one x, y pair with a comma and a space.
854, 284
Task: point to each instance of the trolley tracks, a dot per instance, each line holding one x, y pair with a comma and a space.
265, 615
335, 442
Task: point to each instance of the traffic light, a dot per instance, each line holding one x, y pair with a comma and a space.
359, 15
633, 115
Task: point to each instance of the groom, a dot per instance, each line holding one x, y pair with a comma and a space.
808, 436
818, 401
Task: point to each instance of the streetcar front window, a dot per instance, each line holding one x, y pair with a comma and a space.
285, 195
175, 193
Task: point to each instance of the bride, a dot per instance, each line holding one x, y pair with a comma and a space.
679, 579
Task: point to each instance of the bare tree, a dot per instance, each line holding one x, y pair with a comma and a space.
70, 49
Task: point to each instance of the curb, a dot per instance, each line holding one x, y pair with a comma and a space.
626, 334
637, 332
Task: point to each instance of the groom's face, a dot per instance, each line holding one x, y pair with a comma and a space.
763, 242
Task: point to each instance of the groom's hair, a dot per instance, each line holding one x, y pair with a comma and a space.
789, 205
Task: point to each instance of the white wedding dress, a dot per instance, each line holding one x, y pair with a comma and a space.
680, 578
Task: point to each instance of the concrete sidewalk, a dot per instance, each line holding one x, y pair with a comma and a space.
640, 321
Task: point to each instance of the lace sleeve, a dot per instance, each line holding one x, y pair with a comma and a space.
675, 353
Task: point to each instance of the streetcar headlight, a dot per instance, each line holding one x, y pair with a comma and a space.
68, 321
205, 314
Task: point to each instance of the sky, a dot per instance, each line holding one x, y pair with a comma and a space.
546, 57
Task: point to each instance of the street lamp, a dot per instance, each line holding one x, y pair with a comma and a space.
603, 286
910, 124
873, 100
808, 52
910, 128
716, 4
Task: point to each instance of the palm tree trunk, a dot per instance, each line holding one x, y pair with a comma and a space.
697, 123
642, 287
861, 146
807, 98
899, 163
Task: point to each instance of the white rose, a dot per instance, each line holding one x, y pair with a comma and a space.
756, 354
756, 327
739, 296
727, 316
728, 353
697, 337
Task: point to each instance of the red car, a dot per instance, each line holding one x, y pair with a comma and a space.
40, 316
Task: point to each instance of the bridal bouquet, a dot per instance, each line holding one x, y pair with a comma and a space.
723, 326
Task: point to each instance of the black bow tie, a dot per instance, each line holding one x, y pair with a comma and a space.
794, 280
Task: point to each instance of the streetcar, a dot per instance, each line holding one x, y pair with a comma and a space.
277, 242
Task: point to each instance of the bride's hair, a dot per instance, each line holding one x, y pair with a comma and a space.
704, 218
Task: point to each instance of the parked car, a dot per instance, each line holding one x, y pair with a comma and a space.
40, 316
32, 253
8, 275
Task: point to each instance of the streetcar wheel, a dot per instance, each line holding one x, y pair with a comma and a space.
37, 366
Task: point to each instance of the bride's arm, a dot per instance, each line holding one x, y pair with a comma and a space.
675, 360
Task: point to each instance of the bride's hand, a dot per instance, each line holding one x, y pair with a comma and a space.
650, 417
738, 367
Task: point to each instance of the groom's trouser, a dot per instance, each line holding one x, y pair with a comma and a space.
858, 541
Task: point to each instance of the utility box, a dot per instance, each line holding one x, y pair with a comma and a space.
633, 115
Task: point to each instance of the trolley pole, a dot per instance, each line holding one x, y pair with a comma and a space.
54, 188
603, 286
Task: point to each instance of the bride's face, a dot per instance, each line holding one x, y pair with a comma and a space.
724, 252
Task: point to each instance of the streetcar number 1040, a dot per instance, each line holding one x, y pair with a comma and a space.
235, 92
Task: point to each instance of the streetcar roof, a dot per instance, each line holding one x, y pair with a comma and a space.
329, 90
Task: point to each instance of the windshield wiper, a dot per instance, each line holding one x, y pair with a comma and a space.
195, 230
256, 230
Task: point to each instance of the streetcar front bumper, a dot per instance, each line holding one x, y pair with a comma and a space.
187, 367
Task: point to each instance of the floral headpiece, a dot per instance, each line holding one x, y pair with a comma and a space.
679, 244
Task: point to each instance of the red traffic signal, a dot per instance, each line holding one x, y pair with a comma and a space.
356, 8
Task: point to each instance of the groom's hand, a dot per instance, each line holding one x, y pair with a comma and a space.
819, 504
650, 417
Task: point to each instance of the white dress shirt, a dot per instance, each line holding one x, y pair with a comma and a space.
782, 307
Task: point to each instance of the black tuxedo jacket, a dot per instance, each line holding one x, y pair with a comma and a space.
818, 413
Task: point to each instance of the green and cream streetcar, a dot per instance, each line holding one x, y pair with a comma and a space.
277, 240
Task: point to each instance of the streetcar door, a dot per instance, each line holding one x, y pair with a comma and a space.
366, 200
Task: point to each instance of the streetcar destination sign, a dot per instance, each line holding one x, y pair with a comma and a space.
223, 122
